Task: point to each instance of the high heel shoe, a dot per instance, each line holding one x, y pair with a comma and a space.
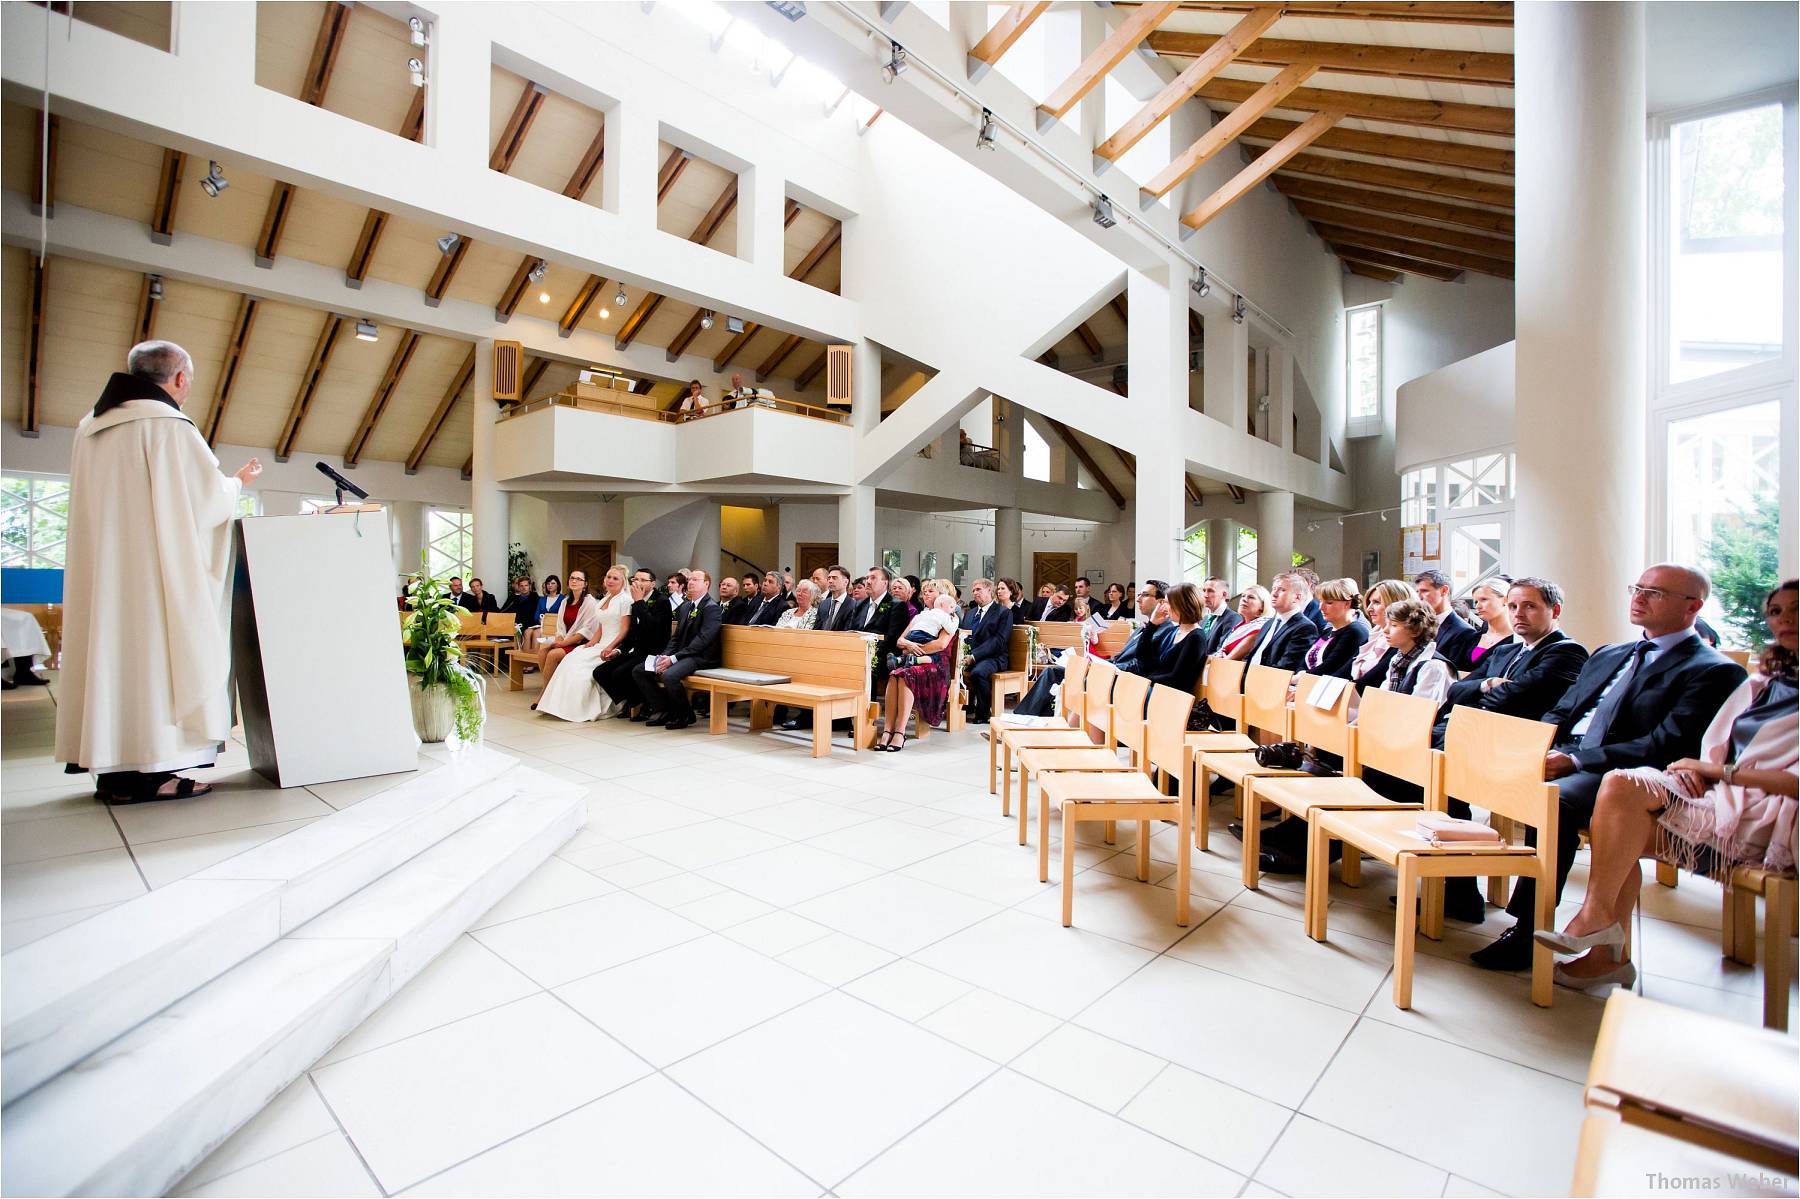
1623, 975
1608, 937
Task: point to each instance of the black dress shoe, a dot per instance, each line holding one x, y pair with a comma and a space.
657, 721
640, 716
1510, 951
1236, 829
1273, 861
790, 725
686, 722
1222, 786
1462, 903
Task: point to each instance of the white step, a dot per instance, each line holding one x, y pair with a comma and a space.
135, 1117
68, 994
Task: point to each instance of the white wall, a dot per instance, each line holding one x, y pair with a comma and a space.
1457, 410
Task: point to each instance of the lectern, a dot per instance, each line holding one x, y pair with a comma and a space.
321, 673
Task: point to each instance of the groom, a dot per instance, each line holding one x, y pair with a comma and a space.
694, 646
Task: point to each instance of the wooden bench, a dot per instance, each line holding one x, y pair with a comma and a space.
515, 660
829, 673
1020, 670
486, 633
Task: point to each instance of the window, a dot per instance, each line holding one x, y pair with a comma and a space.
450, 542
1037, 453
1362, 370
1724, 481
249, 504
1193, 557
312, 505
1478, 482
34, 516
1418, 496
1243, 564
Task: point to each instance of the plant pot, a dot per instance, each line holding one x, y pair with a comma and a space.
434, 714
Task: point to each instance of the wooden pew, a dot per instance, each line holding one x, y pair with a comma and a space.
516, 659
1020, 671
829, 672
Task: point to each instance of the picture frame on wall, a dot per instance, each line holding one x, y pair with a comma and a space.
987, 566
1371, 568
959, 570
890, 560
928, 564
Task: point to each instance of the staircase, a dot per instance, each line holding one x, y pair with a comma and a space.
135, 1042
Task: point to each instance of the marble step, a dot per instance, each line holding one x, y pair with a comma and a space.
135, 1117
66, 995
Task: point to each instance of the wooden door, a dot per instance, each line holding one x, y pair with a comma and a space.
813, 555
593, 558
1056, 568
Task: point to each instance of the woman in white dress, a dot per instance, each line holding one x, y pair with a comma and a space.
571, 693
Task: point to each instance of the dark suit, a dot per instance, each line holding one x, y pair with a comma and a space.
649, 619
1659, 718
1313, 612
766, 611
834, 613
1035, 609
1457, 639
1066, 612
1142, 646
694, 646
1535, 680
990, 642
468, 603
1284, 647
522, 607
1222, 624
736, 610
1173, 663
1339, 654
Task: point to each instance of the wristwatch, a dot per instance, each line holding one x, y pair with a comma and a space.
1728, 770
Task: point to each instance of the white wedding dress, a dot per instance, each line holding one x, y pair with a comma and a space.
572, 693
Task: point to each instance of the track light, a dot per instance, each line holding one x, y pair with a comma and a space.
706, 320
619, 298
416, 70
1103, 213
1238, 311
417, 26
985, 139
896, 64
213, 182
366, 331
536, 273
1201, 287
156, 287
448, 242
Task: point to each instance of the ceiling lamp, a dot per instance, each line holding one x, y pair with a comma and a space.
417, 26
793, 10
156, 287
605, 312
366, 331
706, 320
448, 242
1103, 213
213, 182
416, 71
896, 64
619, 297
543, 297
1238, 311
985, 139
536, 273
1201, 287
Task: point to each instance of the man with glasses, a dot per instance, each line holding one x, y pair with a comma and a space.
1639, 703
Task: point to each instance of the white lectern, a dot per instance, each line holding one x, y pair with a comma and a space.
315, 646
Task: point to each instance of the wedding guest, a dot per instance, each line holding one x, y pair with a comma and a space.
1488, 599
1253, 612
1370, 664
923, 677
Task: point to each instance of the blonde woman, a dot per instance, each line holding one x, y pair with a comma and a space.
1368, 667
570, 692
1254, 605
1488, 598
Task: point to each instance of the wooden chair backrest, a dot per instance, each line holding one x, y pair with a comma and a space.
1328, 729
1097, 679
497, 624
1058, 634
500, 624
1077, 678
1498, 762
805, 655
1265, 699
1018, 647
1225, 688
1166, 733
1393, 735
1130, 692
1740, 656
1114, 638
550, 624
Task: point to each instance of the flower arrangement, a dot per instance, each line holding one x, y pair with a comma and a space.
433, 655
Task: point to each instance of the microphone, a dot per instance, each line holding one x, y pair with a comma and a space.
342, 484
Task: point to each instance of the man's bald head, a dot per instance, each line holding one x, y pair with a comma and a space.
1667, 598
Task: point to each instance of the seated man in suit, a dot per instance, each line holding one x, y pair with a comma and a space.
837, 610
1524, 677
1058, 607
459, 597
1456, 637
1218, 618
1312, 610
480, 600
1638, 703
734, 606
1151, 623
1288, 634
522, 603
767, 609
990, 642
694, 646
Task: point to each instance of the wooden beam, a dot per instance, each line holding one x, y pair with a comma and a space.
1368, 106
168, 197
281, 204
691, 330
412, 128
782, 352
515, 290
1297, 187
702, 233
584, 299
1369, 222
1395, 262
735, 346
518, 125
1432, 12
309, 384
533, 374
1107, 55
669, 172
1393, 62
592, 160
45, 135
1195, 328
1185, 85
1261, 168
1088, 339
1372, 272
468, 467
1086, 459
1193, 489
1224, 130
634, 324
1488, 159
816, 255
330, 40
144, 328
436, 422
1118, 305
34, 346
999, 39
229, 369
384, 392
810, 373
448, 265
1500, 268
1425, 183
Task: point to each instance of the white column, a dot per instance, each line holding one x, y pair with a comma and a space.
1221, 545
1225, 370
407, 518
856, 529
865, 389
707, 553
1281, 397
222, 35
459, 66
1009, 543
492, 507
1274, 534
1156, 353
1580, 217
628, 184
761, 206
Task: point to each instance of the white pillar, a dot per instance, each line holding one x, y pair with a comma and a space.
856, 529
865, 389
1221, 547
1225, 369
407, 518
1274, 534
761, 230
707, 552
1156, 353
628, 184
1009, 543
459, 65
1580, 217
1281, 397
492, 507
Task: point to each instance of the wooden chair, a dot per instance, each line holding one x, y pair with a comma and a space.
1111, 797
1127, 719
1393, 735
1495, 760
518, 657
1017, 675
1327, 729
1003, 742
498, 632
1266, 718
1222, 686
1781, 896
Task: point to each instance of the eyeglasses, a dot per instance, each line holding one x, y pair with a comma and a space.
1654, 594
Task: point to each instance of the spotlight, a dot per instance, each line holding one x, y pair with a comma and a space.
365, 331
536, 273
985, 139
1201, 287
1103, 213
619, 298
706, 320
1313, 527
213, 182
156, 287
416, 70
1238, 311
448, 242
1384, 518
605, 312
417, 26
793, 10
543, 297
896, 64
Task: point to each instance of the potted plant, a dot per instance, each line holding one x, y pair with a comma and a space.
447, 696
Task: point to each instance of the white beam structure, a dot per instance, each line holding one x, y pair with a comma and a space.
1158, 383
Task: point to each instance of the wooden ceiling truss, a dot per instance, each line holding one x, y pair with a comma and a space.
1108, 54
1086, 459
232, 365
384, 392
691, 330
333, 23
329, 333
999, 38
45, 136
34, 346
458, 385
583, 178
702, 233
412, 128
168, 197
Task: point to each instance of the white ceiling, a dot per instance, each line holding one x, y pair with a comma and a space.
1699, 52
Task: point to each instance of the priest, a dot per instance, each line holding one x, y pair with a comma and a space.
146, 592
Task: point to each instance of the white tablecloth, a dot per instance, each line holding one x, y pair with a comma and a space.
21, 636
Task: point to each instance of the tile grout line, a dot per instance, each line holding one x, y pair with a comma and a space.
348, 1139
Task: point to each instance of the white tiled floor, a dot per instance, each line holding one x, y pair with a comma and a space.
756, 973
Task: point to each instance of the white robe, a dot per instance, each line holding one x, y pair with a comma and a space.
146, 617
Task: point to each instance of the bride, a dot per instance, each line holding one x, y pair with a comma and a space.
571, 692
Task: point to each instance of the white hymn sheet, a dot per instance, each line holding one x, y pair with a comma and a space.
1325, 693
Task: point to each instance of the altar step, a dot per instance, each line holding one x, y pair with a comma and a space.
133, 1117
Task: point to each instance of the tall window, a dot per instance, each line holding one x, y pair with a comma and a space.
1362, 370
450, 542
1193, 557
34, 522
1243, 562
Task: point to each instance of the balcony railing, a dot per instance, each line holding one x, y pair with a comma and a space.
639, 412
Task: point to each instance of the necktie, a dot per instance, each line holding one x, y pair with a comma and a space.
1614, 697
